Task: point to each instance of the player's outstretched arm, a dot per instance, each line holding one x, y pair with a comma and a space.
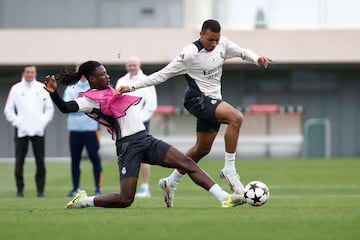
264, 61
174, 68
50, 85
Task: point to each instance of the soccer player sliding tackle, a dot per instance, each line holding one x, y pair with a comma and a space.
133, 145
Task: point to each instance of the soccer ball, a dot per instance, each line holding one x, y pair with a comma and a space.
256, 193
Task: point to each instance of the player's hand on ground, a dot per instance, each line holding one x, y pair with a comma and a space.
264, 61
50, 84
123, 89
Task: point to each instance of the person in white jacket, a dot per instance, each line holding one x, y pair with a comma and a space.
29, 109
146, 107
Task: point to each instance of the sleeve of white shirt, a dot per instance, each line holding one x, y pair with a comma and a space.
150, 103
234, 50
174, 68
86, 105
9, 109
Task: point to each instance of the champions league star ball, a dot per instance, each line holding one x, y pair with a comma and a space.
256, 193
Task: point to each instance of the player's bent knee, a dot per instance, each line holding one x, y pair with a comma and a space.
237, 118
125, 202
203, 151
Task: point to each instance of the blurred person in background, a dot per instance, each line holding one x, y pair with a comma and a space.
83, 132
147, 107
202, 63
29, 109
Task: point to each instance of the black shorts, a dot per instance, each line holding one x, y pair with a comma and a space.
203, 108
139, 148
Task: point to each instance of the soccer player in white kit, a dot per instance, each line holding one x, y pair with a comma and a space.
202, 63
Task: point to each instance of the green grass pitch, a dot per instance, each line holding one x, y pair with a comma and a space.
309, 199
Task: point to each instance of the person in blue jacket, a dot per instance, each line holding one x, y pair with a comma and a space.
83, 132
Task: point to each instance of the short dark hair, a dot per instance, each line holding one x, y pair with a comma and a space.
211, 25
28, 65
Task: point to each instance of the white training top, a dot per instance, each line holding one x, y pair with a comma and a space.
29, 108
148, 103
203, 68
129, 124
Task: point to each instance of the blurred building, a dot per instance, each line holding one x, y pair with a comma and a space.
313, 44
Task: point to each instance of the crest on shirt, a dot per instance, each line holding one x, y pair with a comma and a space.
182, 55
222, 55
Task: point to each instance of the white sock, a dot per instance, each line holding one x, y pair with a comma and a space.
87, 202
229, 161
145, 186
175, 177
218, 192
